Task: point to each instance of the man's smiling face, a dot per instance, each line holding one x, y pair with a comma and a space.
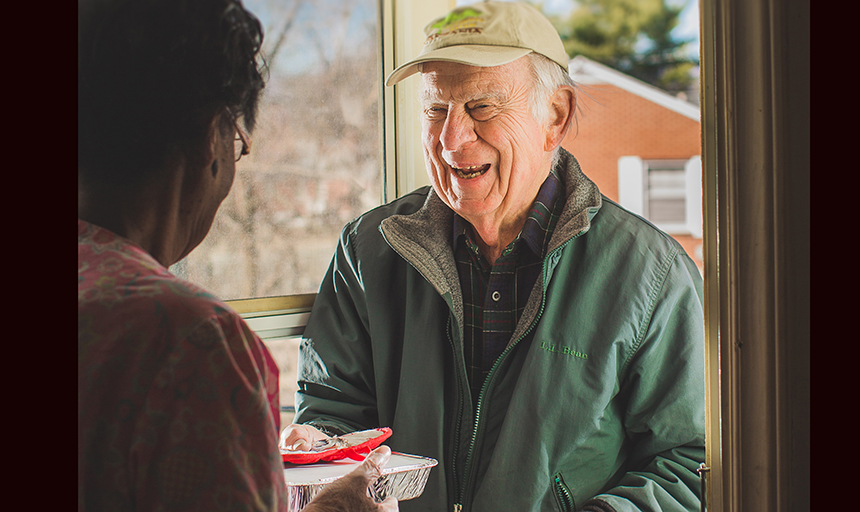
485, 152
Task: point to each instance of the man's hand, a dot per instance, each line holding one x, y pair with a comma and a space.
349, 494
299, 437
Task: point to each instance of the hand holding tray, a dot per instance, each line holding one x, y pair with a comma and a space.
404, 477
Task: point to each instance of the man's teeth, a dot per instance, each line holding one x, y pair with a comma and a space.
472, 171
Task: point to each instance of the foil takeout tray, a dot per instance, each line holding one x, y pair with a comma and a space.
404, 477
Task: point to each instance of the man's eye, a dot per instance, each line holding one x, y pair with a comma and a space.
481, 111
435, 113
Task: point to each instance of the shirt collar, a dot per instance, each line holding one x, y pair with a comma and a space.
541, 219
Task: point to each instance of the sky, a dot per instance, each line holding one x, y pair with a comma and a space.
688, 23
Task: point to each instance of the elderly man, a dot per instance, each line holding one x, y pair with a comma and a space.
540, 341
177, 398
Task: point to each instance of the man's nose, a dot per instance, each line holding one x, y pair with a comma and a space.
459, 129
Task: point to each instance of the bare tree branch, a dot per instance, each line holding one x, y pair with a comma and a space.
285, 28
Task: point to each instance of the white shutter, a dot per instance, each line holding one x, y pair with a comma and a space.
631, 186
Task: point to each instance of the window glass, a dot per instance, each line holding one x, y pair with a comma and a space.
666, 191
315, 153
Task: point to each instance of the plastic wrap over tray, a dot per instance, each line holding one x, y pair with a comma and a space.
404, 477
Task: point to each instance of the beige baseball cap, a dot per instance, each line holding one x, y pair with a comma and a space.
486, 34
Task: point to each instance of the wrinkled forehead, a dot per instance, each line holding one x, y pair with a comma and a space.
447, 81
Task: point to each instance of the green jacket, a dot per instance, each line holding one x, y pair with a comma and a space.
599, 394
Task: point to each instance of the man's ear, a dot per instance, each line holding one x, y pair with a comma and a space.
561, 110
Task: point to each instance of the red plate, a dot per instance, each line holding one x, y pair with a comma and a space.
355, 446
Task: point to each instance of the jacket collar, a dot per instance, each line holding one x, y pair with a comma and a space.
423, 238
582, 201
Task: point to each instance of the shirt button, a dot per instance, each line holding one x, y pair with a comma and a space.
497, 295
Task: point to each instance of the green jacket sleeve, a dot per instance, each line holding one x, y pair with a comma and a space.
665, 413
335, 370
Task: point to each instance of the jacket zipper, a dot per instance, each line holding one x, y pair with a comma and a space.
456, 439
565, 500
466, 484
476, 427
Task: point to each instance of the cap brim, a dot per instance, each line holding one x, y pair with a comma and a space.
470, 54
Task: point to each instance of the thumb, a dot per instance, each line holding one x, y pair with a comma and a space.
375, 462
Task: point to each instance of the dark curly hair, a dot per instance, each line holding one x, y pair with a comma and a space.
152, 74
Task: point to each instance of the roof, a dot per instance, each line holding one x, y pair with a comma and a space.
586, 71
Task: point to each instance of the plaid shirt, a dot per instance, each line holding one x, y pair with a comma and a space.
494, 295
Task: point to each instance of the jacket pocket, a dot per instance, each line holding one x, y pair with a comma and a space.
563, 496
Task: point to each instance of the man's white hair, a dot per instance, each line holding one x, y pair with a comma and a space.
548, 76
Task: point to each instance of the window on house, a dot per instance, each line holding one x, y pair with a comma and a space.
665, 192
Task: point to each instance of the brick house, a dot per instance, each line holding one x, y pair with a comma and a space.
642, 147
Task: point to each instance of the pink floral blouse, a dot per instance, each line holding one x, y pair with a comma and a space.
177, 397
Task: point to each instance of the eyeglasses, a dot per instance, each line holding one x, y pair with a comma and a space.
242, 144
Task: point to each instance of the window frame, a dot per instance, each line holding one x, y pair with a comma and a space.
755, 159
275, 317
